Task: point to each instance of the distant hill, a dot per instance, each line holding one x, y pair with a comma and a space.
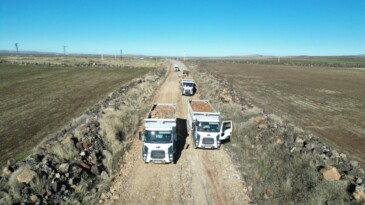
36, 53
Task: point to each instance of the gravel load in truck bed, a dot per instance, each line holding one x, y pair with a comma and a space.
201, 107
163, 112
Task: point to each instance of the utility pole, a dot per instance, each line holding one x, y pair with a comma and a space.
64, 51
184, 56
121, 54
17, 48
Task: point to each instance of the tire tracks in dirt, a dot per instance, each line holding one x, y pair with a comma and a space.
199, 176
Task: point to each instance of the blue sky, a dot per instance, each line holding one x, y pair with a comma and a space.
198, 27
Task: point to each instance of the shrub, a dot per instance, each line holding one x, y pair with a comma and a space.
64, 152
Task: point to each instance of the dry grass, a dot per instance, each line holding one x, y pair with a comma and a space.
14, 187
267, 165
37, 185
64, 152
120, 124
36, 101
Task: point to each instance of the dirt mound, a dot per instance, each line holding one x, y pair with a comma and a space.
163, 112
201, 107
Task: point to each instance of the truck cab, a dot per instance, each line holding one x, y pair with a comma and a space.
208, 132
187, 87
176, 67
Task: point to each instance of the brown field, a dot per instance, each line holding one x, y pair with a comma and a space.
330, 102
38, 100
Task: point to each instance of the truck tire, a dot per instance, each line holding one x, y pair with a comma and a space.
194, 143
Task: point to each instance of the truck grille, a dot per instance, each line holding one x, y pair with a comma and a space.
157, 154
208, 141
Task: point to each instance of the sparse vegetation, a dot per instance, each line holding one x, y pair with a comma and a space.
64, 152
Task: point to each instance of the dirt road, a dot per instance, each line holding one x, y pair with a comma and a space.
198, 177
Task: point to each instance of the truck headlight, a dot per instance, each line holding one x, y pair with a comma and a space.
144, 151
197, 139
171, 151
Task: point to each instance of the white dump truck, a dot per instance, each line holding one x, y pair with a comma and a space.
206, 129
176, 67
187, 86
159, 134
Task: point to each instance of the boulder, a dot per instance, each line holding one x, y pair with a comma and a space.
359, 194
359, 180
330, 173
268, 193
335, 154
361, 171
94, 170
279, 141
259, 119
93, 158
67, 139
56, 186
343, 156
354, 163
104, 175
262, 125
84, 165
26, 175
6, 171
225, 97
63, 168
299, 141
308, 145
86, 145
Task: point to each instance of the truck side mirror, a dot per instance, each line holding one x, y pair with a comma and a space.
140, 135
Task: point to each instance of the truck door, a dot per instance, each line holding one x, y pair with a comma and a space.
226, 130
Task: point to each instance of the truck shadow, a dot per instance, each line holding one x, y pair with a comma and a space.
182, 134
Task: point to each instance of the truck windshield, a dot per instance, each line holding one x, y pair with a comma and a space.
188, 84
208, 127
158, 137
